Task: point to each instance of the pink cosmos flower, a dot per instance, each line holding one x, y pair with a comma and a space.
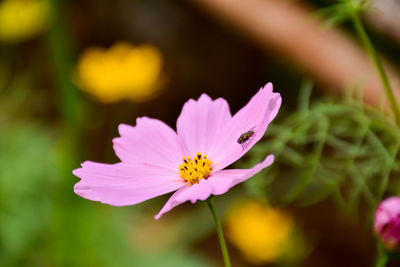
156, 160
387, 222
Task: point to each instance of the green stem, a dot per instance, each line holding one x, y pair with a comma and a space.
221, 239
60, 49
374, 57
381, 262
383, 256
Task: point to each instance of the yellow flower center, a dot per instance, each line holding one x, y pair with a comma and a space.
192, 170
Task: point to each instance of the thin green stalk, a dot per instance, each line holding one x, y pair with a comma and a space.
305, 94
382, 257
60, 50
374, 57
382, 261
221, 239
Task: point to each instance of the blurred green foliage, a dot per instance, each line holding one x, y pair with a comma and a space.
335, 147
340, 11
27, 179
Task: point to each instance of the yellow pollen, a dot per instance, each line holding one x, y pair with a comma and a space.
192, 170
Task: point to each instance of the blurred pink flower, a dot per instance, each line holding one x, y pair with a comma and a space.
156, 160
387, 222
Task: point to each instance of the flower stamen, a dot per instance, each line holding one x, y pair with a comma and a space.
192, 170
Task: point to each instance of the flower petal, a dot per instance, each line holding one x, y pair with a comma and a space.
124, 184
217, 184
223, 180
256, 116
201, 122
200, 191
150, 141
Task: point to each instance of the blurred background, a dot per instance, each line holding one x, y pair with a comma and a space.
72, 71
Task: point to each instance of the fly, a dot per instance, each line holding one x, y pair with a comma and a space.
245, 137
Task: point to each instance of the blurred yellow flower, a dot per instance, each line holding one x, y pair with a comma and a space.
22, 19
261, 233
121, 72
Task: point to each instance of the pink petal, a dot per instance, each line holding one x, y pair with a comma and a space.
150, 141
201, 122
217, 184
200, 191
223, 180
387, 212
124, 184
256, 115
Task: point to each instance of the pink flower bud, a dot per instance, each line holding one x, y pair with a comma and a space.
387, 222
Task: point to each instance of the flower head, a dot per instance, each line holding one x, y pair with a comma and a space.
387, 222
156, 160
121, 72
261, 233
22, 19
